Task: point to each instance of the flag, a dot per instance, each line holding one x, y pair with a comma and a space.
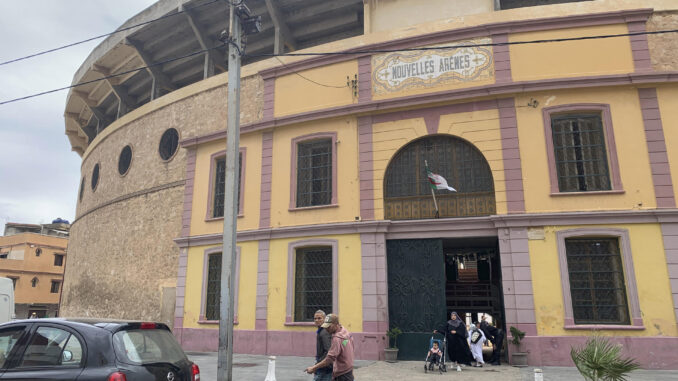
437, 181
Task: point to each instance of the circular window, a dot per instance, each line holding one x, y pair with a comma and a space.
82, 188
169, 143
95, 176
124, 160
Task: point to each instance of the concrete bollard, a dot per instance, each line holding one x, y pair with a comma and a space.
538, 375
270, 375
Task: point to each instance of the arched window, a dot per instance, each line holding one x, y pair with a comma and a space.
407, 191
34, 282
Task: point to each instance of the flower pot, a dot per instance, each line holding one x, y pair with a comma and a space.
519, 359
391, 354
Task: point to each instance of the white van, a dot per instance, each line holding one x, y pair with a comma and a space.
6, 300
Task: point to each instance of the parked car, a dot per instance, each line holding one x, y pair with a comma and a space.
92, 349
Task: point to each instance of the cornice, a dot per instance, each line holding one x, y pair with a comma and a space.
445, 227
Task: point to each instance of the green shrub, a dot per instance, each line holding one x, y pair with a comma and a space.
601, 360
393, 334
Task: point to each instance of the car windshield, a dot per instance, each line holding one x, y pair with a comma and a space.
146, 346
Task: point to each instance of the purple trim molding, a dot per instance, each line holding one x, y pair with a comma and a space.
366, 167
639, 46
670, 237
365, 79
496, 89
656, 148
291, 265
502, 58
269, 98
282, 343
261, 313
445, 227
431, 115
513, 173
519, 26
517, 280
293, 168
213, 174
180, 292
203, 293
629, 276
611, 148
375, 289
266, 179
188, 192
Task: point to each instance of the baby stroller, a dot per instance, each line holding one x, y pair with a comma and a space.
430, 365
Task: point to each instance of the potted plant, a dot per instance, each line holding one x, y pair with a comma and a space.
518, 358
391, 353
599, 359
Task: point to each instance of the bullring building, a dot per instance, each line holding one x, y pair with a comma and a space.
552, 120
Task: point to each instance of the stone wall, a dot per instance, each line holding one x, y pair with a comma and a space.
122, 260
664, 46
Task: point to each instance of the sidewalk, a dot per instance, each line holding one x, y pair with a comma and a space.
254, 367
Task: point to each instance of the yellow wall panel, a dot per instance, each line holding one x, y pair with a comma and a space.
349, 282
294, 94
666, 97
649, 263
571, 58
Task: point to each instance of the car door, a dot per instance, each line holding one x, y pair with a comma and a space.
12, 339
52, 352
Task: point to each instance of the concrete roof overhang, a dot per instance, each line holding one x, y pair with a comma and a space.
186, 27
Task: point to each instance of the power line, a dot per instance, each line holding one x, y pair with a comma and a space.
348, 53
110, 76
308, 79
107, 34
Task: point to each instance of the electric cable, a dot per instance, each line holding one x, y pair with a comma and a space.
107, 34
308, 79
358, 52
112, 75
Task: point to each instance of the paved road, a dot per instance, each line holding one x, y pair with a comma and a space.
254, 368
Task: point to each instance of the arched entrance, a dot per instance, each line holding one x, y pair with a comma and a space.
407, 193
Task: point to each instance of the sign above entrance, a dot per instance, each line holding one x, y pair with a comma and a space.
394, 72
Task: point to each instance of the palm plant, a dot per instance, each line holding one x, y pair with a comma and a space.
599, 359
393, 334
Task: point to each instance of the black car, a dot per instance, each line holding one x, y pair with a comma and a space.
91, 349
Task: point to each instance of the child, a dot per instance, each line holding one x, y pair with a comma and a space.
476, 338
434, 355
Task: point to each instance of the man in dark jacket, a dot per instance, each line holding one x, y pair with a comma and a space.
496, 337
323, 343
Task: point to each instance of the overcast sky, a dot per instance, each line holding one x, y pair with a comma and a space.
39, 174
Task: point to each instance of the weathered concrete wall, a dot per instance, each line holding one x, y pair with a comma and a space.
664, 46
122, 258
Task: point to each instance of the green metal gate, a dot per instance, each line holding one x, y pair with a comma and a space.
416, 292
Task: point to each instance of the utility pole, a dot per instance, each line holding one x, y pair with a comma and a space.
226, 313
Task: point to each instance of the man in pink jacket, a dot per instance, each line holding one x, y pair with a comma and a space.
340, 353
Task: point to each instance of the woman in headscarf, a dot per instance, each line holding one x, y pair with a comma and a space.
457, 346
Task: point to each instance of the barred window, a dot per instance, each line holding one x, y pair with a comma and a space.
54, 289
580, 153
213, 292
58, 260
313, 282
220, 184
314, 173
597, 282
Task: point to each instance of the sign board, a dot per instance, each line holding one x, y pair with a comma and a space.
456, 62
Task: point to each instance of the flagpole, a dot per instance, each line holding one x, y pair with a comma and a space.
433, 193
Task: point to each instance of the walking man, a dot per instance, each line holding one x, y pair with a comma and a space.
340, 354
322, 346
496, 337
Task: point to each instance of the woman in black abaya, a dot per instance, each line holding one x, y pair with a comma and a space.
455, 331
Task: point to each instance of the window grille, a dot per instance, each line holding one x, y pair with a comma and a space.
314, 173
58, 260
580, 153
169, 143
407, 191
313, 282
597, 282
213, 293
220, 186
55, 287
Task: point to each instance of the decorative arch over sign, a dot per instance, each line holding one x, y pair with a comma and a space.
407, 193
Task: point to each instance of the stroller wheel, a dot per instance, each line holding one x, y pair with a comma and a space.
443, 368
425, 368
